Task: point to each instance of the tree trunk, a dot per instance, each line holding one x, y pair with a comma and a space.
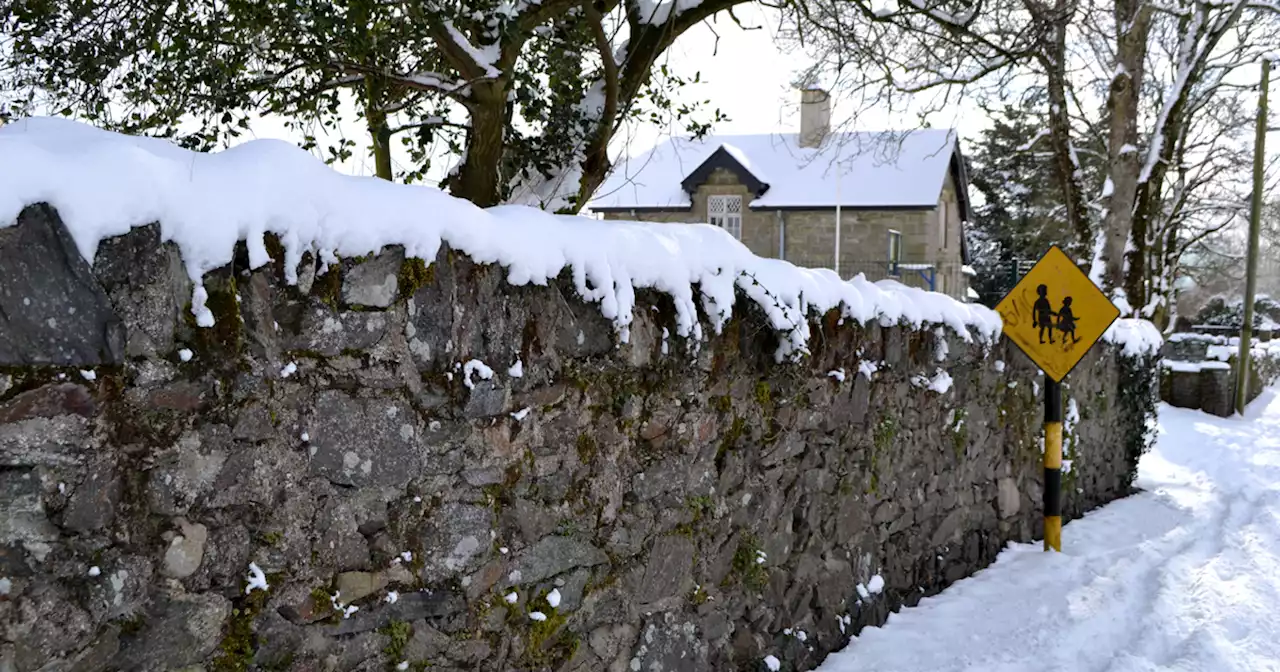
478, 178
1123, 165
1150, 206
1064, 159
380, 134
374, 92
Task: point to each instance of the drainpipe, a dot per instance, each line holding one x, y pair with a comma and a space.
782, 236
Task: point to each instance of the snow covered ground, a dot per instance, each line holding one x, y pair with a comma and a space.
1185, 576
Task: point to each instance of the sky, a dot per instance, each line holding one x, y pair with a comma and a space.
744, 73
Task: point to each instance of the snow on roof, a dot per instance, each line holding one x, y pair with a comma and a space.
746, 162
102, 184
877, 169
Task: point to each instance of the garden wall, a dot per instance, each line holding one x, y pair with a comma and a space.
329, 479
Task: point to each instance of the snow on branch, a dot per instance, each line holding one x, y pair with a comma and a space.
435, 80
429, 121
944, 17
1192, 53
958, 76
657, 12
1042, 133
474, 62
431, 81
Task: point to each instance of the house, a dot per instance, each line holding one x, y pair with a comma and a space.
899, 200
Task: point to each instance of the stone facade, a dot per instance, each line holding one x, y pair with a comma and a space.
320, 482
809, 238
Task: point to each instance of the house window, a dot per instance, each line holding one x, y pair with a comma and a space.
726, 213
895, 251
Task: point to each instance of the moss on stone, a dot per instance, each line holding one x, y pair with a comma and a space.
573, 374
224, 341
322, 604
276, 251
723, 403
774, 433
747, 568
398, 632
764, 396
699, 508
239, 641
130, 625
328, 287
882, 438
587, 448
729, 439
414, 274
886, 431
549, 643
700, 505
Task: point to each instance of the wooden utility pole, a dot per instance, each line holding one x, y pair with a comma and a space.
1255, 217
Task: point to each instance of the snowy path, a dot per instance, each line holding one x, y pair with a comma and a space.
1185, 576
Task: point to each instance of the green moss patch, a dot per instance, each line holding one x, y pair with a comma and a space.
414, 274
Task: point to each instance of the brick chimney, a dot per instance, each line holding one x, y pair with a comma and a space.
815, 116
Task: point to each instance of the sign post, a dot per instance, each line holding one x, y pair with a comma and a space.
1055, 314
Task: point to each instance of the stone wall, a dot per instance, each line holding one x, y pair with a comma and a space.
325, 480
1200, 371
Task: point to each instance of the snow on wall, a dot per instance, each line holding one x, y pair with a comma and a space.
1134, 337
103, 183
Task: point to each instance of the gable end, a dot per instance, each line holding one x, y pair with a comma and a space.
960, 177
721, 158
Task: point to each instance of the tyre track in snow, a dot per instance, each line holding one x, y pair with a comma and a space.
1179, 592
1184, 576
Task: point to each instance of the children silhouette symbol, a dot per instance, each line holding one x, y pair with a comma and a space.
1067, 321
1042, 313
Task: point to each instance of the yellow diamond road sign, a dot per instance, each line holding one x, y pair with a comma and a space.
1056, 313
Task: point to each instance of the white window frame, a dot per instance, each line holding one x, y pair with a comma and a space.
895, 250
725, 211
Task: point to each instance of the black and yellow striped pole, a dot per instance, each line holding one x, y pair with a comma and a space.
1052, 465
